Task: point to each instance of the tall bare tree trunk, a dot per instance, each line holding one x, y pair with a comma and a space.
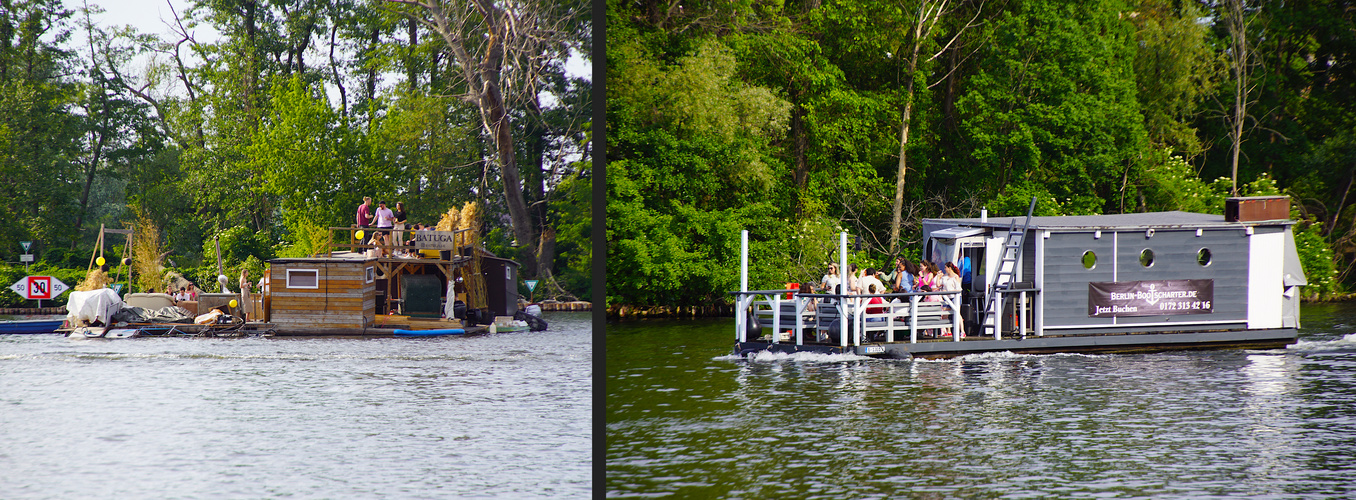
496, 35
801, 173
903, 167
1239, 54
89, 180
929, 13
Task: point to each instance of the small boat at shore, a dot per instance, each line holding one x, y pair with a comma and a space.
1091, 284
29, 326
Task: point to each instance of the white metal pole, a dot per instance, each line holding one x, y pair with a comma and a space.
741, 316
956, 327
744, 260
776, 316
800, 317
843, 286
913, 319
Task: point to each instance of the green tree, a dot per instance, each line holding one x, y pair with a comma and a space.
1053, 103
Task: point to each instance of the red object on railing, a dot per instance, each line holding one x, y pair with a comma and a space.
792, 286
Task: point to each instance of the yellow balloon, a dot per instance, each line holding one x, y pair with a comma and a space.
358, 235
234, 303
99, 261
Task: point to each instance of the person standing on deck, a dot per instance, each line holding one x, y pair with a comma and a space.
245, 304
830, 280
385, 217
901, 280
399, 213
870, 281
951, 282
365, 213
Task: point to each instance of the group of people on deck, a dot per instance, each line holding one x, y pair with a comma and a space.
906, 277
391, 226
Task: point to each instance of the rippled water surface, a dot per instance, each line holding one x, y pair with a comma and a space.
498, 415
684, 419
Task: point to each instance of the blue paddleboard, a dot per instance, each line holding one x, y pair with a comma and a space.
429, 333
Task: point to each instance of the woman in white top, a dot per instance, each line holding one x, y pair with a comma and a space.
829, 281
951, 282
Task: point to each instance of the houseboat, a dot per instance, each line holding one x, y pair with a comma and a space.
1092, 284
441, 284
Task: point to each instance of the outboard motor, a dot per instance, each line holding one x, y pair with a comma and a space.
534, 323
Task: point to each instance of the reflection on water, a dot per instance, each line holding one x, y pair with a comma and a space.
687, 419
500, 416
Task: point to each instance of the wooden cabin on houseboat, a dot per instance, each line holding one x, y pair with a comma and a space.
357, 287
325, 293
363, 288
1097, 283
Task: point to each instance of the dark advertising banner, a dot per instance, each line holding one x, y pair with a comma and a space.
1150, 298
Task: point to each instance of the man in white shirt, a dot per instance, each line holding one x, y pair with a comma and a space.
869, 278
385, 217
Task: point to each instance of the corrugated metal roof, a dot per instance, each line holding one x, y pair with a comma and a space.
1173, 219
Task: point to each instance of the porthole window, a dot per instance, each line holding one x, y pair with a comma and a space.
1203, 257
1146, 258
1089, 259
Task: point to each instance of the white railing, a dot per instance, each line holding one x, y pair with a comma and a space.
912, 313
771, 304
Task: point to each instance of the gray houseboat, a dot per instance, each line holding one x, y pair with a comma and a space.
1097, 283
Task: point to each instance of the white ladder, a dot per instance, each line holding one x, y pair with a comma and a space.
1009, 257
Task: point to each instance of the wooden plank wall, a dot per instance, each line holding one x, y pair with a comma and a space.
344, 299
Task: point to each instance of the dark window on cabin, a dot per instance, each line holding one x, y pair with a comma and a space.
1203, 257
371, 275
303, 278
1146, 258
1089, 259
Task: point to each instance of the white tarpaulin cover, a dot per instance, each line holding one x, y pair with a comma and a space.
91, 306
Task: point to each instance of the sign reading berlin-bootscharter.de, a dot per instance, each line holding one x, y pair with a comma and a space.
1150, 298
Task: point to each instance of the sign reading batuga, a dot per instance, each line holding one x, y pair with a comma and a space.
1150, 298
435, 240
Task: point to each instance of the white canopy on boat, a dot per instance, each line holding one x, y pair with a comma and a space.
91, 306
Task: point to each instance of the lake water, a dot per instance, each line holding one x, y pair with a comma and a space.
492, 416
686, 420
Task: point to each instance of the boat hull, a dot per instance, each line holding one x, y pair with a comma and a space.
1099, 344
30, 326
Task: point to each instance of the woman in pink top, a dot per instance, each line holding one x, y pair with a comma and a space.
927, 280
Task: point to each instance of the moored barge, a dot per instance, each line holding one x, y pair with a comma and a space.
1038, 285
443, 284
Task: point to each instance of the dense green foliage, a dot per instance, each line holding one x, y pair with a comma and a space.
789, 119
279, 126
